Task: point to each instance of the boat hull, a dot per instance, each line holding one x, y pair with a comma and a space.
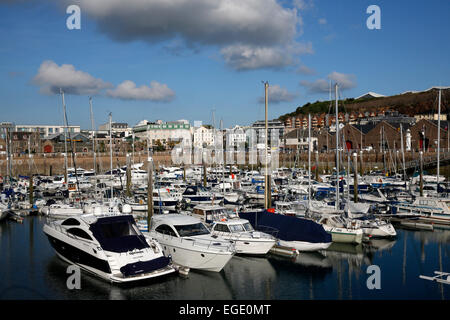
81, 256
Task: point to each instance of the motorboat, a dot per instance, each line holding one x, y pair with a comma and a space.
375, 227
208, 213
109, 246
246, 239
190, 242
198, 195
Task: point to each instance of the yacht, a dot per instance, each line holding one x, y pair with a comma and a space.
190, 242
374, 227
241, 233
198, 194
109, 246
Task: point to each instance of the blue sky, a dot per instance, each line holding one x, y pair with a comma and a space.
198, 66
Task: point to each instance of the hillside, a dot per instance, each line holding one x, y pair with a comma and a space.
408, 104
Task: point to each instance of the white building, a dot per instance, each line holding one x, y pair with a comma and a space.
46, 130
236, 135
153, 132
117, 127
203, 136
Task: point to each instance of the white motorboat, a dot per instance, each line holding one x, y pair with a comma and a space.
241, 233
198, 195
109, 246
377, 228
190, 242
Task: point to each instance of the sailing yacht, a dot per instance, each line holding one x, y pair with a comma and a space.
293, 232
341, 229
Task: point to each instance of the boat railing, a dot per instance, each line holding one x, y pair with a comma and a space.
266, 229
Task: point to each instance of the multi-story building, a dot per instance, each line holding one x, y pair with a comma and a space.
117, 127
46, 130
236, 135
274, 127
164, 134
203, 136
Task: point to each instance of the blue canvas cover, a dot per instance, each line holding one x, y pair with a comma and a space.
117, 235
289, 228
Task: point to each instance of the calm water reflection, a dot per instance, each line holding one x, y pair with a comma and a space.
29, 269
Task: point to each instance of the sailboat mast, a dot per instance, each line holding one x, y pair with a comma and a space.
309, 162
110, 153
65, 135
337, 148
267, 182
93, 136
438, 139
223, 157
403, 153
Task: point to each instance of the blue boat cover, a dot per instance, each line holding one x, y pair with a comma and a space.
139, 267
116, 234
289, 228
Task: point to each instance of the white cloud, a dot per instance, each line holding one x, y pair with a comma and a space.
344, 81
276, 94
127, 90
246, 33
244, 57
303, 4
322, 21
51, 78
218, 22
302, 69
247, 57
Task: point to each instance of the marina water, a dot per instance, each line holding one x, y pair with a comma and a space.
30, 269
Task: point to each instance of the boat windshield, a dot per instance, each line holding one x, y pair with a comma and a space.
118, 229
118, 234
190, 230
248, 227
236, 228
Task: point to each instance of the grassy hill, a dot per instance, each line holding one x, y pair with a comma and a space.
409, 104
